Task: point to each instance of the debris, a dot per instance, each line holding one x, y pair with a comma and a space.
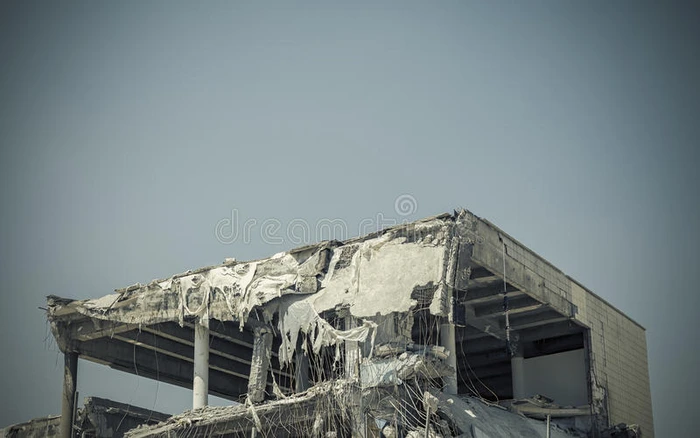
622, 430
99, 417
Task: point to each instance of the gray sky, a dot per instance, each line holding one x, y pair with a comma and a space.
130, 129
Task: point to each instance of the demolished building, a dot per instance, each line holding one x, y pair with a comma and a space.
98, 418
431, 328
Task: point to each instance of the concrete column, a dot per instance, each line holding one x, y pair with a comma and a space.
352, 352
200, 382
70, 374
448, 340
517, 365
259, 364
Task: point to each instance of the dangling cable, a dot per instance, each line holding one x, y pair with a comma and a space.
505, 300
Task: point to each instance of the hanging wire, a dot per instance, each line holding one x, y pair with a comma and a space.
136, 370
509, 348
155, 398
477, 394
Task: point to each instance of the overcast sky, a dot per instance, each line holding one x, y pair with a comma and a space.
129, 130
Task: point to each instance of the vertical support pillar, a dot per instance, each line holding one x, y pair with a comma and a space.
200, 382
517, 366
262, 349
448, 340
352, 352
355, 403
70, 374
456, 276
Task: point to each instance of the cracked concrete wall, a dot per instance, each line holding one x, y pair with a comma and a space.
619, 359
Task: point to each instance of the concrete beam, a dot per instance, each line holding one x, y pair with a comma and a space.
89, 329
230, 332
482, 345
488, 252
485, 281
516, 304
550, 330
543, 316
476, 340
216, 346
478, 272
177, 350
136, 359
554, 345
219, 330
469, 333
490, 294
490, 326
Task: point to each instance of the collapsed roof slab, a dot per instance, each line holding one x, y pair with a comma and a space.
369, 275
289, 290
463, 264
